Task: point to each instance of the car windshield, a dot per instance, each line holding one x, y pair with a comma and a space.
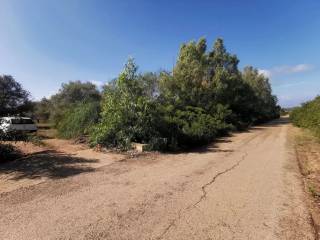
21, 121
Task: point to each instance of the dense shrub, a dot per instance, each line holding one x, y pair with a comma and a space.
308, 116
128, 115
73, 110
70, 95
264, 104
203, 97
78, 120
14, 99
192, 126
42, 110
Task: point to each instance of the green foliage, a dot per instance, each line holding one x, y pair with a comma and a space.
308, 116
265, 104
203, 97
42, 110
13, 98
193, 125
70, 95
78, 120
189, 95
128, 115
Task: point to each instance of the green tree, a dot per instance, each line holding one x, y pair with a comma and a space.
265, 107
188, 81
128, 115
70, 95
79, 120
42, 110
149, 82
189, 96
308, 116
204, 96
13, 98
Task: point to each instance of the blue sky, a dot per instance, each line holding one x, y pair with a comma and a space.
44, 43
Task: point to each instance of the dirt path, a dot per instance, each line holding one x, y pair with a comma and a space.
56, 159
245, 187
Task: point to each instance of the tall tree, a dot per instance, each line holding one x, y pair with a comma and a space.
203, 96
42, 109
128, 113
71, 94
189, 97
188, 81
13, 98
265, 106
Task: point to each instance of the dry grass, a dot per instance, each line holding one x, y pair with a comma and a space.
308, 153
46, 130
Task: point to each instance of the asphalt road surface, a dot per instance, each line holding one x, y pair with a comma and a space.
246, 186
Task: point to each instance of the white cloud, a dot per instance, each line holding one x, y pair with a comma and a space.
283, 70
302, 68
97, 83
292, 69
265, 72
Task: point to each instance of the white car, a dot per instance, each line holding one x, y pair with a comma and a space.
17, 124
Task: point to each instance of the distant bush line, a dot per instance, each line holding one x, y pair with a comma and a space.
203, 97
308, 116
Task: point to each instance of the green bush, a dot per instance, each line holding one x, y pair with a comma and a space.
127, 115
78, 120
192, 126
70, 95
203, 97
308, 116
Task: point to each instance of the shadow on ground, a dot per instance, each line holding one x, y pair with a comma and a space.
50, 164
213, 147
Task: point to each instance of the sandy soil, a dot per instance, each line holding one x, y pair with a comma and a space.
56, 159
247, 186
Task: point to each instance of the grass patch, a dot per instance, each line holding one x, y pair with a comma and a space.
313, 191
36, 140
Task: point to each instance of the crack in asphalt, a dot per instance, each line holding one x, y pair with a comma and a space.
172, 223
202, 197
204, 187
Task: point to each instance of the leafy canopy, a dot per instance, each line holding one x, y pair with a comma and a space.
128, 114
308, 116
13, 98
203, 97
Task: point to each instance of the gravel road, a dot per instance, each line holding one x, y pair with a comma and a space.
246, 186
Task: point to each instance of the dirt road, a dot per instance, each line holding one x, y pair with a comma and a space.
245, 187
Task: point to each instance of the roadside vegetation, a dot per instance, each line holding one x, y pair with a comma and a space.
307, 144
13, 100
203, 97
307, 147
308, 116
